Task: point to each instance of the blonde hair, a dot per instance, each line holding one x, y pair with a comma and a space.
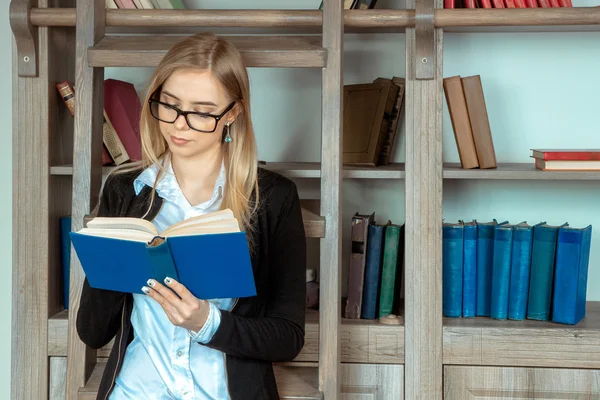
207, 52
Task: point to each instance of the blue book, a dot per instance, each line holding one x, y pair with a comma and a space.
207, 254
541, 278
469, 306
372, 271
571, 274
503, 237
485, 265
65, 255
452, 269
519, 271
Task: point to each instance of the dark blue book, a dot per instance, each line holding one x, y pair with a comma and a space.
485, 265
469, 306
65, 255
543, 256
372, 282
571, 274
503, 237
452, 269
207, 254
519, 271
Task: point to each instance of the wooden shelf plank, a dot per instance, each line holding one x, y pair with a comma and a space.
516, 171
485, 341
363, 341
310, 170
257, 51
297, 170
294, 383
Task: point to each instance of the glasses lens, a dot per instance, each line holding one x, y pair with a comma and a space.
162, 112
202, 122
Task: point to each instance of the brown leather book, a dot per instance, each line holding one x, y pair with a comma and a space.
356, 271
392, 120
366, 106
480, 124
457, 108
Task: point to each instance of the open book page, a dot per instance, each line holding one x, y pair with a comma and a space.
123, 223
205, 229
190, 223
125, 234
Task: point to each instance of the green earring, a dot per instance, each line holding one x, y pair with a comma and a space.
228, 138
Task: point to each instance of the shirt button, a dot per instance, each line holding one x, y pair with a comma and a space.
179, 353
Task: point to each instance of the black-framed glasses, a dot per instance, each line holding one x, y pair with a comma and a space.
198, 121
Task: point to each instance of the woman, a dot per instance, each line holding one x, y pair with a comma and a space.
199, 155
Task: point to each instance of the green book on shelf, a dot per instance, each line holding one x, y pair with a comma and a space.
391, 270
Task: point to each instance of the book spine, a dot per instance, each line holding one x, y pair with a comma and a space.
519, 273
67, 94
542, 273
162, 262
452, 270
389, 270
485, 263
503, 236
65, 244
356, 273
372, 272
572, 257
470, 271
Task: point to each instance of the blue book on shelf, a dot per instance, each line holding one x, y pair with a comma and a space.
209, 256
503, 238
65, 255
470, 270
541, 277
485, 265
519, 271
372, 271
571, 274
452, 269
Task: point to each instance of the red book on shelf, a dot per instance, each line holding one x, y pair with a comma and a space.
449, 3
123, 107
498, 3
531, 3
485, 3
566, 154
544, 3
511, 3
554, 3
520, 4
470, 4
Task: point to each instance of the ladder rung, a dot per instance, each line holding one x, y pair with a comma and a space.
257, 51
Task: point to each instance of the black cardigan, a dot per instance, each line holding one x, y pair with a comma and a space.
259, 330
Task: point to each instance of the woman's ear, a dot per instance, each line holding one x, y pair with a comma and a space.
235, 111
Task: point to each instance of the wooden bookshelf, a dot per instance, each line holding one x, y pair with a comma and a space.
485, 341
363, 341
426, 355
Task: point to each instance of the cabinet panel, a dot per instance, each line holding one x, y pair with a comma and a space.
372, 382
463, 383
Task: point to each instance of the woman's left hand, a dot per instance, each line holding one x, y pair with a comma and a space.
188, 312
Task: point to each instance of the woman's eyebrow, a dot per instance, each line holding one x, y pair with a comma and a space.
202, 103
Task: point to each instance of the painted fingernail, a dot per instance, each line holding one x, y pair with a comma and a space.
151, 282
168, 280
145, 290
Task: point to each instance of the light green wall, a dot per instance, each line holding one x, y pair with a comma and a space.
541, 91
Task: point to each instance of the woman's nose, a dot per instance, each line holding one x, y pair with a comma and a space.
181, 124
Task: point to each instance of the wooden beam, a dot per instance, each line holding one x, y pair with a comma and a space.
423, 222
331, 204
87, 172
29, 341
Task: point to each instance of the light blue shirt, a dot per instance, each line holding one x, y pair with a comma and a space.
163, 361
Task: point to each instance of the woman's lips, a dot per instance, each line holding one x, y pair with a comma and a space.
179, 141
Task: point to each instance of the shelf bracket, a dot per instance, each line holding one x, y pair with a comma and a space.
424, 39
25, 37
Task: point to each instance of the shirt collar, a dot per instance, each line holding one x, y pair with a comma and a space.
168, 187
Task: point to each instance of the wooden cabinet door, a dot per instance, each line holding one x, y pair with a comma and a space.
468, 382
372, 382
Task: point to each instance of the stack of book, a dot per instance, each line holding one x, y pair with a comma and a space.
145, 4
515, 271
375, 271
566, 159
